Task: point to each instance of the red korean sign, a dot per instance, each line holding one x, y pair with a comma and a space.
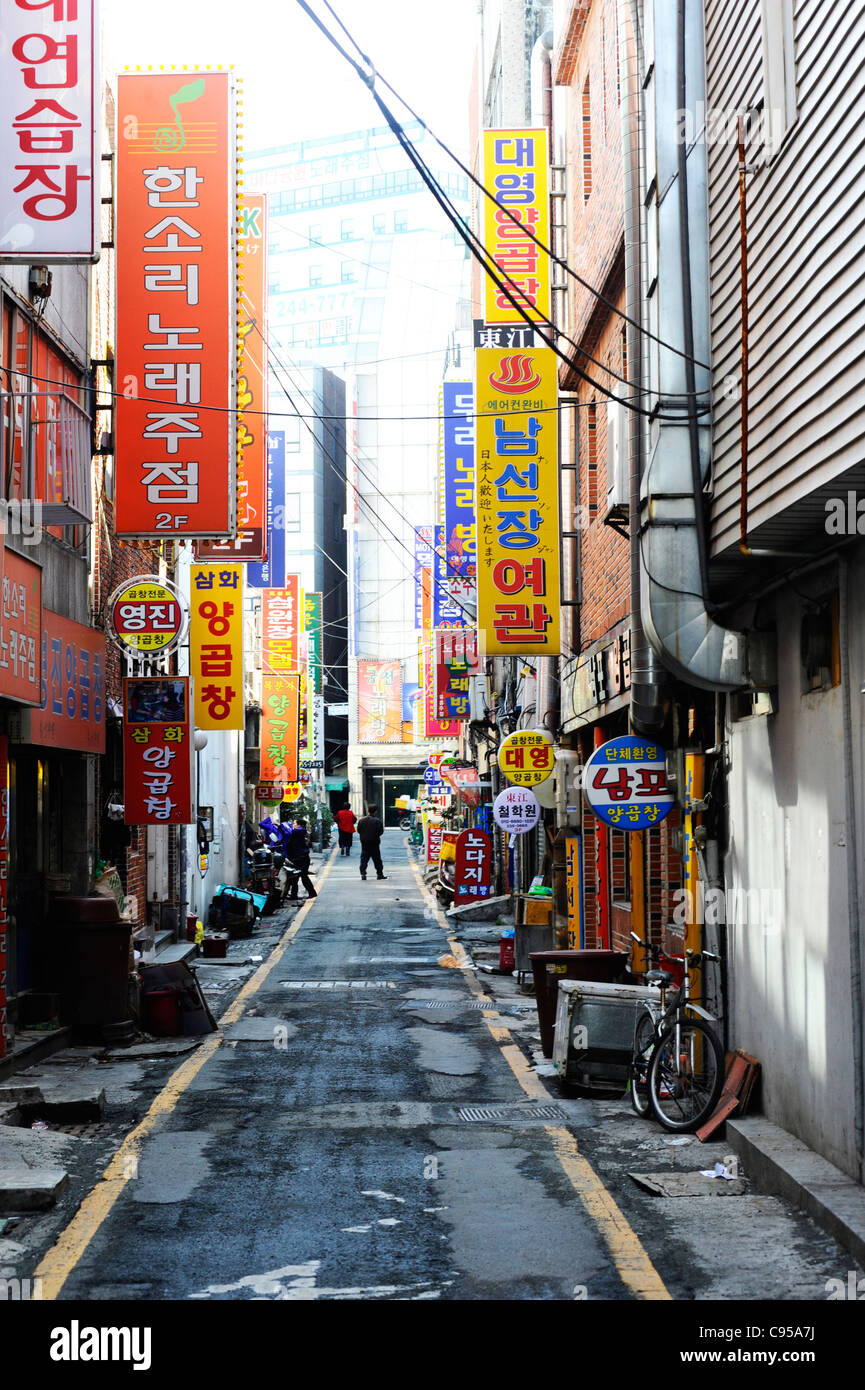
176, 325
280, 627
433, 727
452, 671
474, 862
157, 751
280, 710
4, 887
216, 645
21, 630
50, 124
146, 616
72, 712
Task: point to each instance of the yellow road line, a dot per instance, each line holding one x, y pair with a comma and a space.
634, 1267
58, 1263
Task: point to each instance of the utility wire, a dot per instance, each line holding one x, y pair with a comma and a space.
473, 242
486, 192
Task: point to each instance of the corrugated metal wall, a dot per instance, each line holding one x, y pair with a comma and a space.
806, 235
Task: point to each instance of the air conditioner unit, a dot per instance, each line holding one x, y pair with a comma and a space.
618, 483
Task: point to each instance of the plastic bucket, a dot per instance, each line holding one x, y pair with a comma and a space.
162, 1011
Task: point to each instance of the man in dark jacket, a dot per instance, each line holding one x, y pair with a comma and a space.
297, 854
370, 831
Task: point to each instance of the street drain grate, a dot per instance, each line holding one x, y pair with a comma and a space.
511, 1112
84, 1131
338, 984
458, 1004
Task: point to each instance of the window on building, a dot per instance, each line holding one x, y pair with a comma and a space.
349, 272
592, 458
346, 229
379, 224
400, 221
315, 275
292, 511
779, 71
619, 866
313, 232
587, 142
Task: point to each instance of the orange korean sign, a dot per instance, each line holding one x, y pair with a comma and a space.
517, 476
280, 704
216, 645
176, 279
379, 702
280, 627
515, 173
21, 630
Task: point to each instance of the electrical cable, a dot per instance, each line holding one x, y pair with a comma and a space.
557, 260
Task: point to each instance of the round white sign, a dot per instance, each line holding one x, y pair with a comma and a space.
516, 810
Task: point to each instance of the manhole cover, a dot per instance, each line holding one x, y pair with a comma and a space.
338, 984
511, 1112
458, 1004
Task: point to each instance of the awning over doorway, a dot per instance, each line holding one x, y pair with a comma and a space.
335, 784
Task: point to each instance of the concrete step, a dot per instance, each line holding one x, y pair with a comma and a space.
170, 955
30, 1189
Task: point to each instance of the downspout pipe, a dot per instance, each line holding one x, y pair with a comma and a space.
541, 82
853, 927
676, 609
649, 680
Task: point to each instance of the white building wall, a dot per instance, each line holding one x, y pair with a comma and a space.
789, 970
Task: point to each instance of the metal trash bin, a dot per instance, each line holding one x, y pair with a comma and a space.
594, 1034
548, 967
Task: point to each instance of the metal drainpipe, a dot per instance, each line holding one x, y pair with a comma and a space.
852, 864
648, 677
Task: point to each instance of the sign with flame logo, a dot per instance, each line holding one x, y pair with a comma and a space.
515, 173
517, 488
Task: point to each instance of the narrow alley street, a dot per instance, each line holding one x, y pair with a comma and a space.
365, 1125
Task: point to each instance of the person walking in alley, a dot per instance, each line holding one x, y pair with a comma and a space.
297, 854
370, 831
346, 820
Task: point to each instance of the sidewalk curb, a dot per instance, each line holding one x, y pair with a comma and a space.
782, 1164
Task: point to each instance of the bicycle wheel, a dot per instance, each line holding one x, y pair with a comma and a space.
686, 1073
639, 1077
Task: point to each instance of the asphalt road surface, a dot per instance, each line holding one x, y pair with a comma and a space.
364, 1126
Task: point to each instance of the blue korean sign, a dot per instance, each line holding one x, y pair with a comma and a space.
271, 574
625, 783
458, 478
447, 612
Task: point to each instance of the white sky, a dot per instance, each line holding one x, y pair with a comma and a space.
295, 85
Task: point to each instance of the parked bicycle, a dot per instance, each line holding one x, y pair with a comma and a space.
677, 1070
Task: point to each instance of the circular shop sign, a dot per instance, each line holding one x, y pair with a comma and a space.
292, 792
516, 810
431, 777
625, 783
527, 757
436, 759
146, 616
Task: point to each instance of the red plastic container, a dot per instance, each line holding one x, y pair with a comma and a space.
216, 945
191, 925
507, 959
162, 1011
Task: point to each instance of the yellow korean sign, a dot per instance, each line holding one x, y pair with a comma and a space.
216, 645
516, 174
517, 478
526, 758
293, 792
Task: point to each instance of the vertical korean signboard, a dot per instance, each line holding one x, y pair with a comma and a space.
271, 573
280, 627
4, 887
280, 709
424, 541
515, 173
176, 329
458, 482
312, 628
157, 751
517, 478
379, 702
50, 124
216, 645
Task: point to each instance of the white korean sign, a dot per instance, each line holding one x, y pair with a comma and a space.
516, 810
50, 125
